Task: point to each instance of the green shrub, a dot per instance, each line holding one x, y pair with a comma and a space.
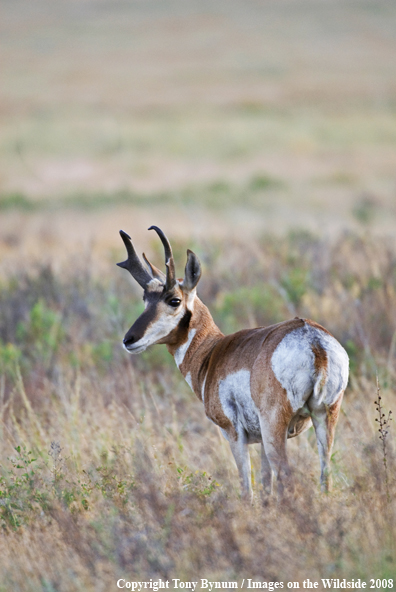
265, 182
18, 491
296, 283
10, 354
42, 334
255, 305
16, 201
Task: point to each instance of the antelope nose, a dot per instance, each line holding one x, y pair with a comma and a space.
129, 340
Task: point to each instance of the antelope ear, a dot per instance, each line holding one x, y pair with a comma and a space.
192, 272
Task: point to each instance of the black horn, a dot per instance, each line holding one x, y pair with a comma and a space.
157, 273
133, 263
169, 261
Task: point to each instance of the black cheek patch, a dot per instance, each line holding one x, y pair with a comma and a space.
180, 332
184, 322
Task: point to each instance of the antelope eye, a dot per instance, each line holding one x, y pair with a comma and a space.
174, 302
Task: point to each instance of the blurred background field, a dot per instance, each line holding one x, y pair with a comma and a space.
239, 117
261, 134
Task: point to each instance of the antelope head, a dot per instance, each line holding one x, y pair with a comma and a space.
169, 302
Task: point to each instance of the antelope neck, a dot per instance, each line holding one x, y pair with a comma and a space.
193, 354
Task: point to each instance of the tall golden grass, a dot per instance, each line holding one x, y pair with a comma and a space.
213, 120
109, 467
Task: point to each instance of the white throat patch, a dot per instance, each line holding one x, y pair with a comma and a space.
182, 350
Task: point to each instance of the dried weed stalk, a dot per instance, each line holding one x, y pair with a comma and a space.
383, 430
55, 453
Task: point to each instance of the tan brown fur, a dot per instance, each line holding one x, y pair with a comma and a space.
320, 359
317, 326
257, 385
332, 413
211, 357
220, 355
298, 425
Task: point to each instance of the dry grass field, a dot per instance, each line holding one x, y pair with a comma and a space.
263, 136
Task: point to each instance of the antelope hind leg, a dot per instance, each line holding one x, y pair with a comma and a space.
324, 420
274, 436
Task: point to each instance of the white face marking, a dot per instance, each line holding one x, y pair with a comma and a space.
156, 331
134, 350
155, 285
238, 405
293, 363
182, 350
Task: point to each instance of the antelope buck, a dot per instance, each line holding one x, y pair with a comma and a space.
258, 385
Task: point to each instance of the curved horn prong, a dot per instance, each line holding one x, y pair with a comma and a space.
133, 263
169, 261
157, 273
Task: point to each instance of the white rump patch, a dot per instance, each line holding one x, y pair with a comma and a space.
293, 363
182, 350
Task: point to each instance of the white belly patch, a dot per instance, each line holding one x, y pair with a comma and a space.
237, 403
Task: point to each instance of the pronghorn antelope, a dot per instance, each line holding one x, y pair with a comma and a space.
258, 385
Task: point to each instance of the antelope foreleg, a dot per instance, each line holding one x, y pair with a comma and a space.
266, 473
239, 449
